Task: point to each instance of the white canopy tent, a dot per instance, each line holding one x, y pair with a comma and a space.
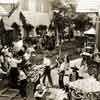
91, 31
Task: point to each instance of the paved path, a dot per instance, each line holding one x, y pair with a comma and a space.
55, 91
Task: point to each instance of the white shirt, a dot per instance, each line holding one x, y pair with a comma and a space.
31, 49
64, 66
46, 62
27, 56
22, 75
18, 45
13, 62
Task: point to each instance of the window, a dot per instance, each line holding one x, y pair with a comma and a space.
25, 4
42, 6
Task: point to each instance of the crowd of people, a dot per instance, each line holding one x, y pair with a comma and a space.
17, 67
17, 64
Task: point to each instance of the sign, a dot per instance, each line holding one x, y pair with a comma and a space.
8, 1
88, 6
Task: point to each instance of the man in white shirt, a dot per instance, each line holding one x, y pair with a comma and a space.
64, 66
23, 83
47, 70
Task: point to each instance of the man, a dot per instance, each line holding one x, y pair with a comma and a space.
64, 66
47, 70
13, 71
23, 83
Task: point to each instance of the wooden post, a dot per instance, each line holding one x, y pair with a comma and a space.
98, 33
57, 38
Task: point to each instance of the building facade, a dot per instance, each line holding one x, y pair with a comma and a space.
35, 11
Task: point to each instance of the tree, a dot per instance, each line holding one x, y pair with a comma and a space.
81, 21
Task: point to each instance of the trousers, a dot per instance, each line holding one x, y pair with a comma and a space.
61, 77
47, 73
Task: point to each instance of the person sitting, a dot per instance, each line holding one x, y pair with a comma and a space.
40, 92
74, 75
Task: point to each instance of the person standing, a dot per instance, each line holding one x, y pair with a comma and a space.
13, 71
47, 70
64, 66
23, 83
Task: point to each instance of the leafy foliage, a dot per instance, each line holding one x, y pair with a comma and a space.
81, 21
